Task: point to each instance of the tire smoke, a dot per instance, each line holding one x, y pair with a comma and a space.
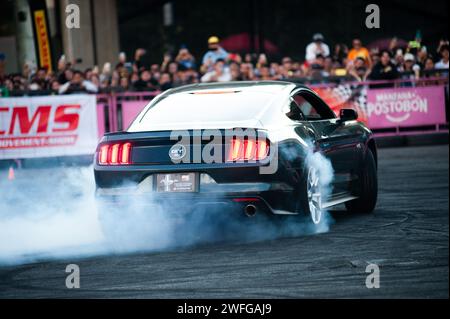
52, 214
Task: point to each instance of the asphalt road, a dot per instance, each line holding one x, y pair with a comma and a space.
407, 237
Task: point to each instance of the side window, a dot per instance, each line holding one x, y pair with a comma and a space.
293, 112
312, 107
306, 108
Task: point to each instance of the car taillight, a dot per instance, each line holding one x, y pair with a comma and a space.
248, 149
115, 154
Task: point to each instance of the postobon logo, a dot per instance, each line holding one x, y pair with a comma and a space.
397, 107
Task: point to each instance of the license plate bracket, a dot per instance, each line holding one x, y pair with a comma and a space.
177, 183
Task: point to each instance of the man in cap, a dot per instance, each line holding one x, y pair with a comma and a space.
316, 48
215, 52
359, 51
409, 63
409, 69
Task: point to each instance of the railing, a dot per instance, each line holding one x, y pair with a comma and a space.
116, 111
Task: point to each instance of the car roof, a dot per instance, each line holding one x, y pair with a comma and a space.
241, 86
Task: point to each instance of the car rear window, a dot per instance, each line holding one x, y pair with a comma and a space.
203, 107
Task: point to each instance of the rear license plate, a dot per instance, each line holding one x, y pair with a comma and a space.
177, 183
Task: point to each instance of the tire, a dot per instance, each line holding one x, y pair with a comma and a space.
311, 196
368, 188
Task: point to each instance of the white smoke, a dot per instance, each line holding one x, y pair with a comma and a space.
324, 168
47, 212
51, 214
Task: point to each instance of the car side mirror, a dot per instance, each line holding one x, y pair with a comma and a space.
347, 115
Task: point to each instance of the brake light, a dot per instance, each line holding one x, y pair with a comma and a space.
235, 150
248, 149
126, 154
115, 154
114, 158
103, 155
263, 149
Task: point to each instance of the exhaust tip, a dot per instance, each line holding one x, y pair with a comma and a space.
250, 210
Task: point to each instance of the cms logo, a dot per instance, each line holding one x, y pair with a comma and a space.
23, 120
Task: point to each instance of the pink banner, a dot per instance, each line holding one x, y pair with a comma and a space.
406, 107
130, 109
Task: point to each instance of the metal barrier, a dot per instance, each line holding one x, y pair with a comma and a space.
116, 111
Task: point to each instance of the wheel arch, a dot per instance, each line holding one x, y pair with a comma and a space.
372, 147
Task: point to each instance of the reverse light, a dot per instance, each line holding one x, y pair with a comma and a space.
248, 149
115, 154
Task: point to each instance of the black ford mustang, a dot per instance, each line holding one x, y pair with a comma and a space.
246, 144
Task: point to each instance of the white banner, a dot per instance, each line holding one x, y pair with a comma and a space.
46, 126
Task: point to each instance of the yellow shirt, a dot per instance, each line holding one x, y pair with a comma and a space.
361, 52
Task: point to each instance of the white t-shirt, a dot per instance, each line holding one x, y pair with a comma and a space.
441, 65
212, 76
312, 50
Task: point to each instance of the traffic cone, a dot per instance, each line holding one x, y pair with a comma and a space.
11, 174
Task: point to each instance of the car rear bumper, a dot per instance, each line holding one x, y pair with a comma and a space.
267, 198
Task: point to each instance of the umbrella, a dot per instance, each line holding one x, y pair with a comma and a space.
383, 44
242, 43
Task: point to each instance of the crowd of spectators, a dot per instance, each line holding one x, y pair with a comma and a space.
320, 64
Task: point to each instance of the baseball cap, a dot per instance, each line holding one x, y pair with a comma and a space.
409, 57
318, 37
213, 40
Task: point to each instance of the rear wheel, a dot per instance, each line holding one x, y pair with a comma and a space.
368, 183
311, 196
